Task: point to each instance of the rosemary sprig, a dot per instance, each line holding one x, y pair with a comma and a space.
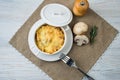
93, 33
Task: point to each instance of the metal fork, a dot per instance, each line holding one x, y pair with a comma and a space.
70, 62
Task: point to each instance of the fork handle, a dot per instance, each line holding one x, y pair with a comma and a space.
89, 77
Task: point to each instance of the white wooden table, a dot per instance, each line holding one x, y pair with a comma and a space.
14, 66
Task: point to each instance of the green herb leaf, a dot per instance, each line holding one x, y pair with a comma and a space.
93, 33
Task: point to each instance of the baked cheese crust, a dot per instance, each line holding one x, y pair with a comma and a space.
49, 38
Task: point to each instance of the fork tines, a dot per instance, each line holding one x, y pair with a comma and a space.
66, 59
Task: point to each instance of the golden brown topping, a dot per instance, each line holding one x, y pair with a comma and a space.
49, 39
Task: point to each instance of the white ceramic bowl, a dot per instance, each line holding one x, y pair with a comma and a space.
37, 25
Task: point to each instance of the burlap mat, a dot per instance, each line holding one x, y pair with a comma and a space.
85, 56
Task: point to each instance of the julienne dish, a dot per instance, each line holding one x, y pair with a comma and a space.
51, 35
49, 39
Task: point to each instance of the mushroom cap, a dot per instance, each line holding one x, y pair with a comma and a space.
81, 39
80, 28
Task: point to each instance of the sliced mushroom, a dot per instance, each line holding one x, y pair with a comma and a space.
81, 40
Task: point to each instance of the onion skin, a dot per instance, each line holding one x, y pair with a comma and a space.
80, 7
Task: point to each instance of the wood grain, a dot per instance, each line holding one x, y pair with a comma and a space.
14, 66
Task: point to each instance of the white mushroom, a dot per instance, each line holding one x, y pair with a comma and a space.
80, 28
81, 40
